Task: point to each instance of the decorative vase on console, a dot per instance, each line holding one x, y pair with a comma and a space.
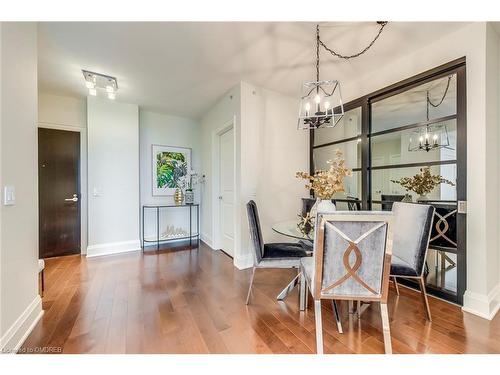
325, 184
178, 196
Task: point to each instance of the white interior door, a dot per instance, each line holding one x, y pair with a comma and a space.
226, 191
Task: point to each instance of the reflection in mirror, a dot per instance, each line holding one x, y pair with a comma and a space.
442, 267
352, 187
349, 126
351, 152
410, 107
382, 185
392, 148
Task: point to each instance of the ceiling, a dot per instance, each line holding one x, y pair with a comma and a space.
182, 68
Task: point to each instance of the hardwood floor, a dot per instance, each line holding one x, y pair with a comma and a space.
193, 301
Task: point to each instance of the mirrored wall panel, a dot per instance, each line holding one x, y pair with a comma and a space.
412, 106
351, 152
349, 126
383, 188
399, 147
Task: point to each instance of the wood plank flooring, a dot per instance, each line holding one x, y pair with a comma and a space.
193, 301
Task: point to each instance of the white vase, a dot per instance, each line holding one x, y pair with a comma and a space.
323, 206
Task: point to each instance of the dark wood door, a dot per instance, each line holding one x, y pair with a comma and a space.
59, 192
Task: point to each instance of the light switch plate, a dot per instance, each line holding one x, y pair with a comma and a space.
9, 195
462, 207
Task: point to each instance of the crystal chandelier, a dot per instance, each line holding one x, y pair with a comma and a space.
431, 137
321, 101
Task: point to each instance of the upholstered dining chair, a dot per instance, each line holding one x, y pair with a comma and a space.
351, 262
272, 255
412, 229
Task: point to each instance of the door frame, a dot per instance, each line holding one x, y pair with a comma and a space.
216, 216
82, 178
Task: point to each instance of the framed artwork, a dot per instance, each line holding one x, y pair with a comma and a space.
169, 164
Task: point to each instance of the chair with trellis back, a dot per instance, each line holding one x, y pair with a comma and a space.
351, 262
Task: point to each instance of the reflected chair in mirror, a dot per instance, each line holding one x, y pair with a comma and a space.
307, 204
389, 199
412, 230
272, 255
353, 203
444, 233
351, 261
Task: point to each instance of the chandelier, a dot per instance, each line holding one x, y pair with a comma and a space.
321, 101
431, 137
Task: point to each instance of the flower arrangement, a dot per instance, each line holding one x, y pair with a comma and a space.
422, 183
325, 184
188, 181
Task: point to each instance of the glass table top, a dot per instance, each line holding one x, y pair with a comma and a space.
289, 228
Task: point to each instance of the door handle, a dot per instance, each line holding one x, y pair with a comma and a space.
74, 199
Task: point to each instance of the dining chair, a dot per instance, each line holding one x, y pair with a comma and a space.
412, 230
444, 233
353, 203
351, 262
389, 199
272, 255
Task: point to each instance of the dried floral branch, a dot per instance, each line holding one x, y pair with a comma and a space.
422, 183
326, 183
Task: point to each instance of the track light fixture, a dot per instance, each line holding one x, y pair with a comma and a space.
94, 81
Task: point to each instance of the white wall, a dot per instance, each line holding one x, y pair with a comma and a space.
20, 306
226, 110
273, 150
269, 150
492, 165
113, 176
482, 221
62, 110
69, 113
161, 129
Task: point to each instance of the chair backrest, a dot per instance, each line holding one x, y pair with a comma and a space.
255, 230
412, 228
389, 199
444, 227
353, 257
307, 204
353, 204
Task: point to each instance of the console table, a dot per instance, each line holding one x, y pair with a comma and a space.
159, 239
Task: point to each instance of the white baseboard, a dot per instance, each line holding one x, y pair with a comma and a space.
113, 248
484, 306
22, 327
208, 240
244, 261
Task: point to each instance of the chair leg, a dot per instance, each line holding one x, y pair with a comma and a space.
319, 326
396, 284
337, 316
386, 328
250, 287
351, 307
425, 300
302, 292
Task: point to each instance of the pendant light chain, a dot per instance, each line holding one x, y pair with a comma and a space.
317, 53
347, 57
442, 99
